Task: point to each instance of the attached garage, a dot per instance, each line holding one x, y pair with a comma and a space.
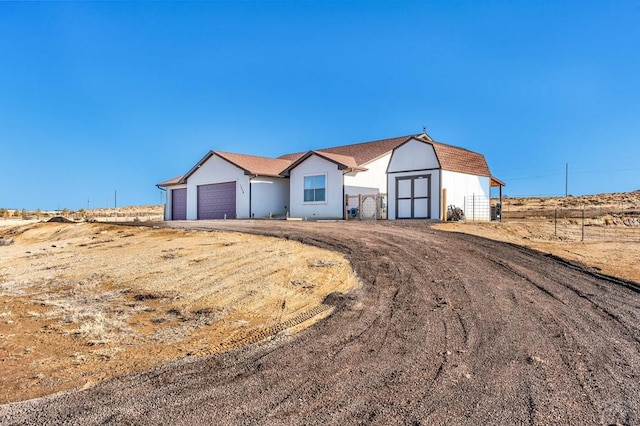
217, 201
179, 204
413, 197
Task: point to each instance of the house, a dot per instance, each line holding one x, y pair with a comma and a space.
408, 177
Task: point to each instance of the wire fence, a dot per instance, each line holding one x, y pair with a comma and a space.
587, 223
477, 208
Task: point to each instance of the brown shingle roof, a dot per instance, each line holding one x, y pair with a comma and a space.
460, 160
343, 161
251, 164
175, 181
362, 153
450, 157
263, 166
352, 156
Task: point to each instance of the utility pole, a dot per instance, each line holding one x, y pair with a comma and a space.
115, 198
566, 181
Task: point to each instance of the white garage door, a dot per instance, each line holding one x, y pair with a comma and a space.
413, 197
217, 201
179, 204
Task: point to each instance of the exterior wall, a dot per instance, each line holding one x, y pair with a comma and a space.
469, 192
168, 207
269, 196
217, 170
372, 181
333, 206
413, 155
412, 159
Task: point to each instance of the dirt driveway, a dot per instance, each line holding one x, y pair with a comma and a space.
446, 329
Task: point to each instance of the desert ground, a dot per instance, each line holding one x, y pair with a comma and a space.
613, 252
441, 328
84, 302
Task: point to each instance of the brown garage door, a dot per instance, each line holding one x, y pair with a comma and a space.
179, 204
217, 200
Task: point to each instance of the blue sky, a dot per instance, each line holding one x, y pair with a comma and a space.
118, 96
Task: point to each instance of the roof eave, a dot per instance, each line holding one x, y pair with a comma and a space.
196, 167
496, 182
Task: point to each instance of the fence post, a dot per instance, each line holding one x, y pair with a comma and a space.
474, 206
555, 221
444, 204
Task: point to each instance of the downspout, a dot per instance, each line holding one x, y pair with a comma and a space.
250, 178
164, 213
500, 203
343, 200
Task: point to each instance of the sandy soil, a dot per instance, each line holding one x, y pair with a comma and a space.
81, 303
617, 258
617, 201
447, 328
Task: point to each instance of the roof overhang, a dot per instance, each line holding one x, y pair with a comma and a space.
171, 182
496, 182
342, 165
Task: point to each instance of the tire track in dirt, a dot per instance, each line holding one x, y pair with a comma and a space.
499, 351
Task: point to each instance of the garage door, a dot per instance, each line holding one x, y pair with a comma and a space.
413, 197
217, 200
179, 204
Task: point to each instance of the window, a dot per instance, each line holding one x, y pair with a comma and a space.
314, 188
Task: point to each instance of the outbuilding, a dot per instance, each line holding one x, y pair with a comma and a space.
425, 177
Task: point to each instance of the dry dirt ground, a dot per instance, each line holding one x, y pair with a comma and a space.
447, 328
609, 242
618, 258
80, 303
617, 201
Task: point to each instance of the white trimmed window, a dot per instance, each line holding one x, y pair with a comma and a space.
315, 188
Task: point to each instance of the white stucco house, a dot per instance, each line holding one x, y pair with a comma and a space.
414, 177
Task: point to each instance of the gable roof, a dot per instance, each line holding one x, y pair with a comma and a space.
174, 181
255, 165
353, 156
343, 161
250, 164
450, 157
362, 153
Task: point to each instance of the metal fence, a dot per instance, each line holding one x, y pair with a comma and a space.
588, 223
477, 208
